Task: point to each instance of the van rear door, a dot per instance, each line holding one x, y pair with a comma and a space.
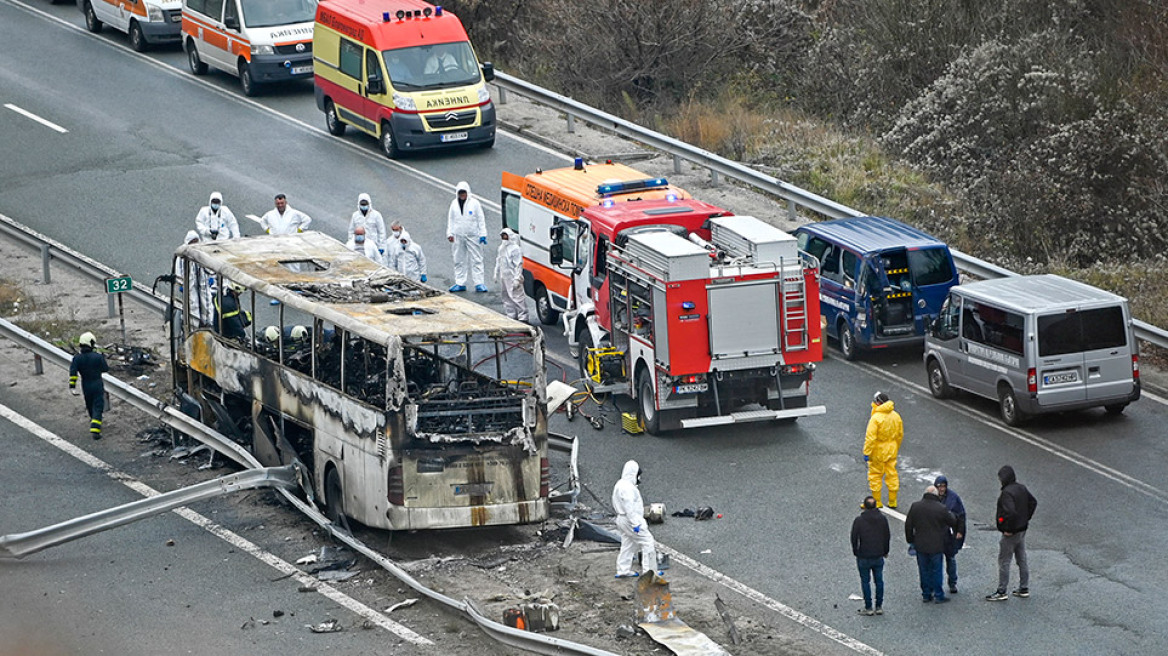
1060, 363
1107, 353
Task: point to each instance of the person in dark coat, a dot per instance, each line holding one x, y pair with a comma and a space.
90, 365
1015, 509
230, 320
956, 538
926, 527
870, 541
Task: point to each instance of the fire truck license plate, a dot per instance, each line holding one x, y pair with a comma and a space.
691, 388
453, 136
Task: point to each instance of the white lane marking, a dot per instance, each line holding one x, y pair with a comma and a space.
361, 147
1070, 455
1155, 397
235, 540
895, 514
760, 598
27, 114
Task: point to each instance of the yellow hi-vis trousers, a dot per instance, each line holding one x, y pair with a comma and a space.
883, 470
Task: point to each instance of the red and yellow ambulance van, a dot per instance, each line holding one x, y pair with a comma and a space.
402, 71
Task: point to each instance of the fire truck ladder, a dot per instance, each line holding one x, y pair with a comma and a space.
794, 309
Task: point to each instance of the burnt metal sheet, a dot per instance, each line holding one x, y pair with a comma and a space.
340, 285
682, 639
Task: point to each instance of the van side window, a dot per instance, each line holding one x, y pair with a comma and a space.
992, 326
600, 262
930, 266
197, 5
831, 264
351, 59
814, 246
948, 318
1087, 330
850, 263
214, 9
231, 11
372, 66
568, 239
511, 211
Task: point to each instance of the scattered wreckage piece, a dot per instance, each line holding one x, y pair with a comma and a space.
327, 626
401, 604
655, 615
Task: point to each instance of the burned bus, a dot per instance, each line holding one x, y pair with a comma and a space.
409, 407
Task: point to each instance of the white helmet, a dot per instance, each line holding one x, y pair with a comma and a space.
299, 333
272, 334
87, 339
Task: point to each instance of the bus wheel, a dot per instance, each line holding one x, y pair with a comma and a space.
548, 316
388, 142
1008, 407
91, 22
332, 121
197, 66
647, 403
847, 340
137, 39
334, 502
938, 385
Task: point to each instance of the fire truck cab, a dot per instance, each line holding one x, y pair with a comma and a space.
701, 316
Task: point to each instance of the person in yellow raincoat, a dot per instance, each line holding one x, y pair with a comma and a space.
881, 447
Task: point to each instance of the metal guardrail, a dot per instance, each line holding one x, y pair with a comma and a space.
796, 197
52, 250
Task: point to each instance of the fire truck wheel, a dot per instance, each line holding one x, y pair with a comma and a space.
647, 404
548, 316
584, 340
333, 496
847, 341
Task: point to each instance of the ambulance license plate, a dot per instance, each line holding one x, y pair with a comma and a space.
302, 70
691, 388
1063, 377
176, 18
453, 136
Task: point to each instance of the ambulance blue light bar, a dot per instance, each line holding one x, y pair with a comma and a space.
609, 188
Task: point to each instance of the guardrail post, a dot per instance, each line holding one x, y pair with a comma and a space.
677, 164
46, 257
502, 95
571, 124
714, 180
792, 209
38, 365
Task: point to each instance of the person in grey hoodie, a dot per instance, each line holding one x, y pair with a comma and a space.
1016, 507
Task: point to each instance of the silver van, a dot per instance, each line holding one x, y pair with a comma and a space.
1036, 344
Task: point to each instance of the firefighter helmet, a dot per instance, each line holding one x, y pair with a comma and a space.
87, 339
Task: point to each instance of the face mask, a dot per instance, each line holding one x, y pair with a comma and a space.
404, 246
215, 207
364, 209
396, 234
360, 239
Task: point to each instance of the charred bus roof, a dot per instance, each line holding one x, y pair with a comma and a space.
316, 274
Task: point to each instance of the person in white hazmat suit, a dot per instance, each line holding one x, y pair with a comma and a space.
361, 243
410, 260
509, 275
215, 220
195, 279
630, 521
370, 219
284, 220
466, 230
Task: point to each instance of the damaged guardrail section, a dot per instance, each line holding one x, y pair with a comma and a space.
283, 479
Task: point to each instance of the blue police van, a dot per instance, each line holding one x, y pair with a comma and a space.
881, 281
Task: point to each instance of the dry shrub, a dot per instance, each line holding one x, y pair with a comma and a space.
13, 300
727, 127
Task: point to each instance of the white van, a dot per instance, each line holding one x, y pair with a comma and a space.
1036, 344
260, 41
148, 22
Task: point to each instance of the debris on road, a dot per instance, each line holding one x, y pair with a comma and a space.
327, 626
401, 604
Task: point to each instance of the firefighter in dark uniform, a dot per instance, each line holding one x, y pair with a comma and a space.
230, 320
90, 365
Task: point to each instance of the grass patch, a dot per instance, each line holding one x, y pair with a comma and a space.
62, 333
13, 299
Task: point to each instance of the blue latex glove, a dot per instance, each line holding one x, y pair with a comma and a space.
865, 458
482, 240
381, 250
636, 529
423, 277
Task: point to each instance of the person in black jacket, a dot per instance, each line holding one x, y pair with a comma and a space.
926, 528
90, 365
956, 538
870, 540
1015, 508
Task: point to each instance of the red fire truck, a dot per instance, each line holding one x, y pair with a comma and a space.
705, 318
